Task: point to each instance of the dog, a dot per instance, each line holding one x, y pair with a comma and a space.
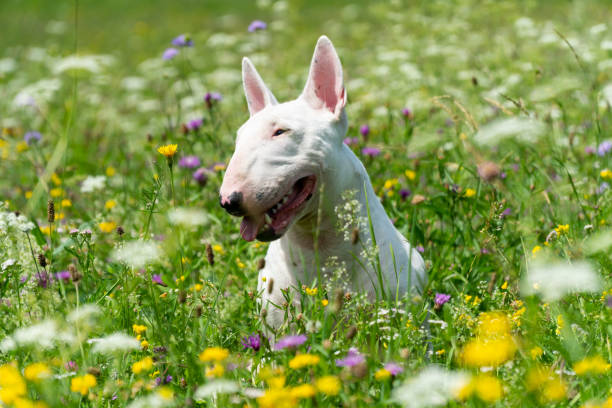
290, 172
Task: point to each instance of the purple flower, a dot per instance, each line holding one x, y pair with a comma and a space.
407, 113
32, 136
290, 341
170, 53
195, 124
257, 25
503, 175
603, 187
589, 150
156, 278
210, 98
364, 130
350, 141
44, 279
63, 275
353, 358
404, 193
182, 41
201, 176
441, 299
393, 368
604, 148
420, 249
71, 366
506, 212
484, 251
252, 342
370, 151
189, 162
609, 301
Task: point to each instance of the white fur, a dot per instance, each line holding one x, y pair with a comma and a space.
263, 168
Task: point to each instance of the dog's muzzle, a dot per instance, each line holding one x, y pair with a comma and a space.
233, 204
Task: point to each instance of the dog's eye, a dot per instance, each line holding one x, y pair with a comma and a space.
279, 132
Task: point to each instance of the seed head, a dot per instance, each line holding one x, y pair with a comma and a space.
355, 236
210, 256
270, 285
50, 211
42, 261
488, 171
120, 230
261, 264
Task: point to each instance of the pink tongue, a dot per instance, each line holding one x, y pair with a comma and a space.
248, 229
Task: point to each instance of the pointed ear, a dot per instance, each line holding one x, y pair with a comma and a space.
257, 94
324, 88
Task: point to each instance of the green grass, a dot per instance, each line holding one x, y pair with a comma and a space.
457, 65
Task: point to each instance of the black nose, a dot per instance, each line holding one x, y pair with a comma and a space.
233, 204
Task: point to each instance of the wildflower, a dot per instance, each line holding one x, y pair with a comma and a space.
193, 125
304, 360
137, 254
370, 151
32, 136
37, 371
71, 366
189, 162
484, 386
555, 280
216, 387
329, 385
407, 113
211, 97
410, 175
433, 386
182, 40
536, 352
110, 204
364, 130
116, 342
170, 53
66, 203
488, 171
139, 328
110, 171
216, 371
469, 193
440, 300
493, 344
146, 364
353, 358
217, 354
257, 25
591, 365
252, 342
277, 398
382, 374
107, 226
56, 192
562, 229
404, 193
604, 148
551, 388
187, 217
349, 141
12, 386
303, 391
311, 291
93, 183
290, 342
168, 150
83, 384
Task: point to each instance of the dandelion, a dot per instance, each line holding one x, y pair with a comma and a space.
216, 371
110, 171
36, 372
410, 175
591, 365
12, 385
217, 354
484, 386
170, 53
107, 226
536, 352
469, 193
550, 387
329, 385
83, 384
146, 364
304, 360
257, 25
168, 150
303, 391
290, 342
110, 204
139, 328
382, 374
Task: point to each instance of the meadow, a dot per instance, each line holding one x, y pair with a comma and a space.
485, 126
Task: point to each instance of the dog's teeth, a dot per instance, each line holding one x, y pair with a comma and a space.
285, 199
268, 219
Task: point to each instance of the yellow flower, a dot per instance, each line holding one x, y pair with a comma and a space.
469, 192
22, 147
144, 344
66, 203
110, 171
107, 226
168, 150
324, 302
311, 291
28, 194
411, 175
505, 285
550, 387
139, 328
328, 384
26, 403
12, 386
46, 230
240, 264
536, 352
390, 183
535, 250
36, 371
197, 287
83, 384
605, 174
303, 391
55, 192
219, 167
562, 229
218, 249
304, 360
217, 354
110, 204
493, 344
487, 388
591, 365
146, 364
216, 370
277, 398
382, 374
55, 179
560, 325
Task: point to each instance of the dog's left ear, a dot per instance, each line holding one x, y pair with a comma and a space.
324, 88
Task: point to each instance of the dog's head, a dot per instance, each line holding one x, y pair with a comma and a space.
272, 179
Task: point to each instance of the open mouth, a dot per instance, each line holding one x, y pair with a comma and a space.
278, 217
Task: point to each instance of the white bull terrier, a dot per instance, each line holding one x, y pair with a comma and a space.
290, 171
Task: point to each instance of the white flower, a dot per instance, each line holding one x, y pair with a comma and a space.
554, 280
7, 344
523, 129
137, 254
600, 241
93, 183
91, 63
83, 313
216, 387
432, 387
116, 342
155, 400
41, 335
8, 263
187, 217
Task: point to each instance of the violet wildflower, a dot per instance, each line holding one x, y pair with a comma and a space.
156, 278
252, 342
370, 151
405, 193
63, 275
393, 368
420, 249
440, 300
257, 25
32, 136
353, 358
407, 113
364, 130
183, 40
506, 212
71, 366
44, 279
195, 124
170, 53
603, 187
212, 97
201, 176
290, 341
609, 301
604, 148
189, 162
503, 175
350, 141
589, 150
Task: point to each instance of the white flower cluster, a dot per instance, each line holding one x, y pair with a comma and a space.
14, 246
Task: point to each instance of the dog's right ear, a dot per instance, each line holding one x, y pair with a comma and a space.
257, 94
